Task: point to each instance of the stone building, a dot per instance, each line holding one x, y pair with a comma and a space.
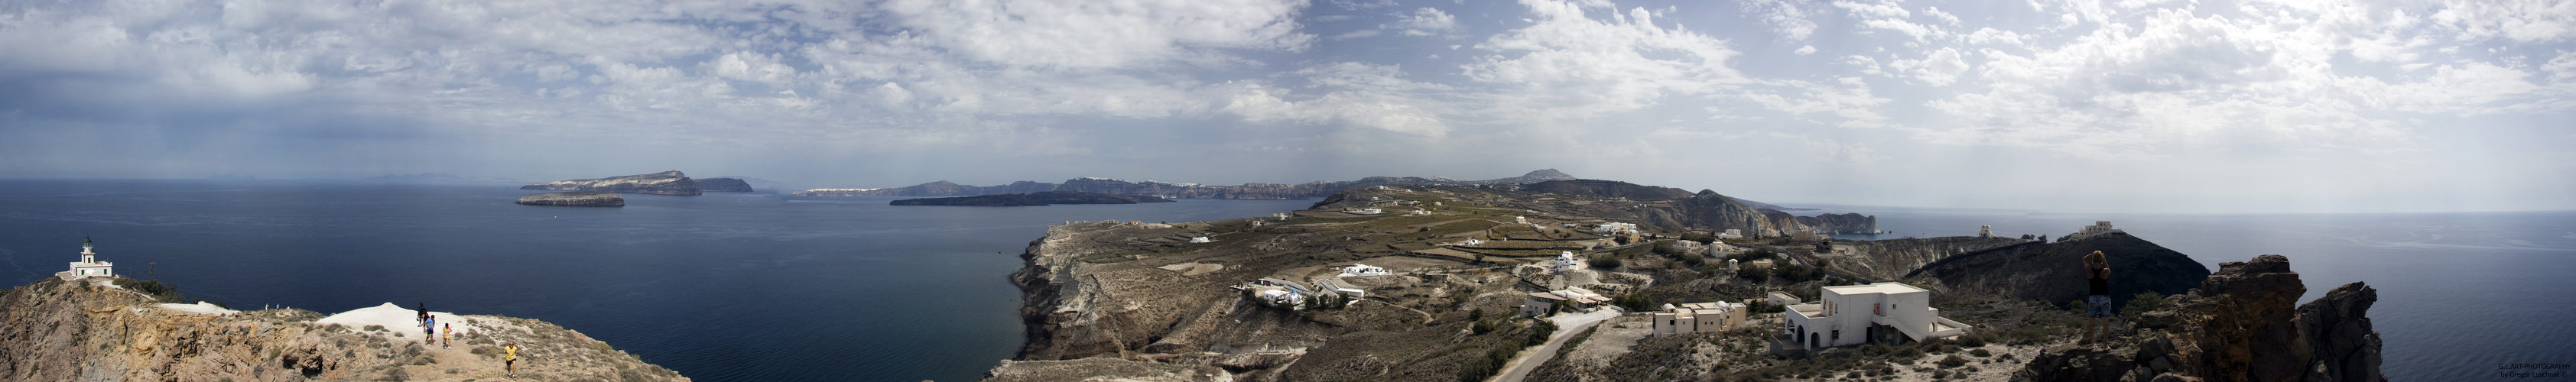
1698, 317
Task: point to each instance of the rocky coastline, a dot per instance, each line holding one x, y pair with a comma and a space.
722, 185
575, 199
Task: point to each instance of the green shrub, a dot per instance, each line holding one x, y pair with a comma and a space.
1981, 353
1605, 262
1952, 361
2144, 302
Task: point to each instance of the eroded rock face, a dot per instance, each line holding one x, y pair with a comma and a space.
660, 183
2237, 326
2340, 336
575, 199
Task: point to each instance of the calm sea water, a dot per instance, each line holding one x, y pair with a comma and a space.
2459, 293
751, 287
722, 287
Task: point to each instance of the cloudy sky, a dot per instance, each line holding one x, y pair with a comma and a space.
2103, 106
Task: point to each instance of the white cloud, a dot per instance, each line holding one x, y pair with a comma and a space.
1939, 68
1805, 50
1084, 34
1426, 22
1570, 65
1788, 18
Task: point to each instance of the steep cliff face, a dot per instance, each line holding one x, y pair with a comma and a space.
660, 183
92, 330
1707, 210
723, 185
2238, 326
2053, 272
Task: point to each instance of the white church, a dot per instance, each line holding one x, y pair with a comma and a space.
89, 264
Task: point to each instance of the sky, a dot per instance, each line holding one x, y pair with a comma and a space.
2091, 106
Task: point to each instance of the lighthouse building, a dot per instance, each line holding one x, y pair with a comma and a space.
89, 264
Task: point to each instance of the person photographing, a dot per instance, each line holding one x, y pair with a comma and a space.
2097, 303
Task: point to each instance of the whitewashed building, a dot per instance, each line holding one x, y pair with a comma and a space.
1565, 262
1781, 299
1357, 269
1857, 314
1201, 239
1698, 317
89, 264
1615, 228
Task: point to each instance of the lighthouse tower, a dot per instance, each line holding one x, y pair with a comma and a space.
89, 264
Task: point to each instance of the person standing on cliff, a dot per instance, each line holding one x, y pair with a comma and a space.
447, 339
2097, 304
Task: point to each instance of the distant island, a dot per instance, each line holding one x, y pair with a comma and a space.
723, 185
1031, 199
1272, 191
660, 183
575, 199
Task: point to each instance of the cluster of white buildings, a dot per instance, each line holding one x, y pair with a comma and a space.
1360, 270
1364, 211
1857, 314
2098, 228
1615, 228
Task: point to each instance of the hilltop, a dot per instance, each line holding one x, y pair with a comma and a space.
113, 328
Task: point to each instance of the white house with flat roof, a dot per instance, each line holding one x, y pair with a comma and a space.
89, 264
1857, 314
1698, 317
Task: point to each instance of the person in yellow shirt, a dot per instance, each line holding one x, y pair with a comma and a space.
510, 358
447, 338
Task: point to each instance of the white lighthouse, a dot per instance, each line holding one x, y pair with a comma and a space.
89, 264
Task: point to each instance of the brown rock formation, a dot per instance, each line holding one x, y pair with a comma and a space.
2239, 326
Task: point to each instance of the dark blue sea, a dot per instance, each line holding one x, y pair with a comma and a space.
722, 287
728, 287
2459, 293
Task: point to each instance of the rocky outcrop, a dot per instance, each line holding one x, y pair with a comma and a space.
93, 329
2239, 326
575, 199
660, 183
2340, 337
1846, 223
723, 185
2054, 272
1031, 199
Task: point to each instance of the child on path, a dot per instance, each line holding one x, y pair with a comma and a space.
510, 358
447, 338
